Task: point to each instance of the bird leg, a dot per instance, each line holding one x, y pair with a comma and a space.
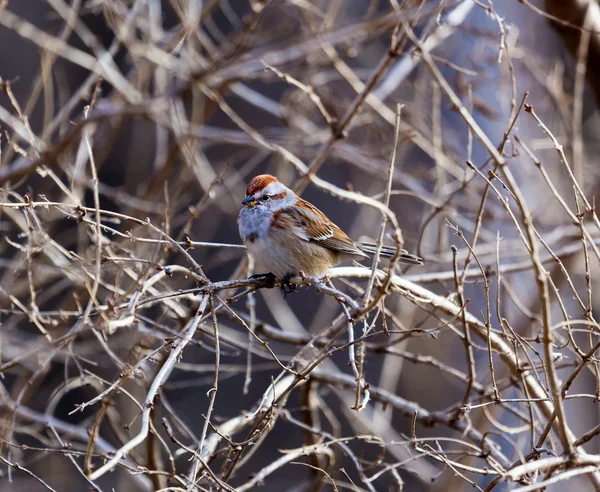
286, 286
268, 278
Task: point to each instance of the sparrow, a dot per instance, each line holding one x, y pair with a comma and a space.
288, 236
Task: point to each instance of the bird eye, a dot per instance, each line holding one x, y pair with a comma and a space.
265, 197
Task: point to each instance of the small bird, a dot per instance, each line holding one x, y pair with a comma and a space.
287, 235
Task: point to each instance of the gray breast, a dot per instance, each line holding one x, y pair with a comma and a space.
254, 223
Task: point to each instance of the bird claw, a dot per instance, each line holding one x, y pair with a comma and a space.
286, 286
268, 278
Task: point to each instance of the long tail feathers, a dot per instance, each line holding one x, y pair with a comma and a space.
389, 252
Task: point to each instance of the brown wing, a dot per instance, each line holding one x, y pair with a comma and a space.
313, 225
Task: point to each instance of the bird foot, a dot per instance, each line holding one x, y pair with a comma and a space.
286, 286
268, 278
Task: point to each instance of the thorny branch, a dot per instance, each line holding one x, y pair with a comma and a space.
135, 353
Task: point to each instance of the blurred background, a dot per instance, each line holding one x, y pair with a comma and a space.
129, 130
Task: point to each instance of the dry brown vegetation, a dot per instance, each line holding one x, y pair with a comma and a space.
137, 354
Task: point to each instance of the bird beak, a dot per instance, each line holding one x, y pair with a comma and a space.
249, 201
